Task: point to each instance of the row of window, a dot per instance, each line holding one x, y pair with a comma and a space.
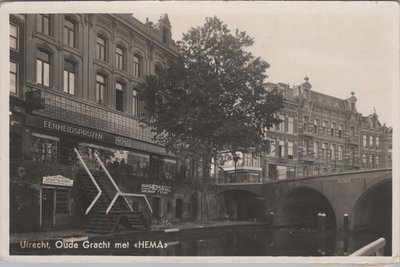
332, 151
285, 126
325, 128
371, 143
371, 161
277, 149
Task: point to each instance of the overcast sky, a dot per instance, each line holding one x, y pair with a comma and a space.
340, 46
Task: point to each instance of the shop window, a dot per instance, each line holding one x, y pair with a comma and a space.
43, 24
43, 68
13, 37
137, 65
69, 77
44, 148
62, 201
119, 96
139, 163
13, 77
69, 32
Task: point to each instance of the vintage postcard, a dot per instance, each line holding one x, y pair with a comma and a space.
200, 131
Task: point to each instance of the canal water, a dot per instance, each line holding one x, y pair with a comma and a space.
218, 242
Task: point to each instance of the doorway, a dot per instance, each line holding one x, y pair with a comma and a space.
47, 208
156, 207
178, 208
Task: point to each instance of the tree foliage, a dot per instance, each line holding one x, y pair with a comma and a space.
213, 96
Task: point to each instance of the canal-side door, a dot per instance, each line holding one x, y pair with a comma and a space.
47, 208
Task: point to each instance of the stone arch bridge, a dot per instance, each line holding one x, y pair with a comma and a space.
365, 196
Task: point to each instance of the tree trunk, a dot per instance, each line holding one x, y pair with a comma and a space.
204, 188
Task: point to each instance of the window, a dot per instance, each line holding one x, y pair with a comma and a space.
377, 142
371, 160
364, 158
44, 148
281, 149
137, 66
333, 126
43, 23
352, 131
305, 144
13, 77
290, 150
324, 145
364, 140
119, 96
316, 126
69, 32
101, 48
333, 152
371, 141
43, 68
100, 88
290, 125
340, 152
272, 148
377, 161
316, 145
281, 125
340, 131
305, 123
69, 77
120, 58
324, 127
13, 37
135, 103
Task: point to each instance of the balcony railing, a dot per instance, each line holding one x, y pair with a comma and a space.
69, 109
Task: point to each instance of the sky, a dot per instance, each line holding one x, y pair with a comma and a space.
341, 47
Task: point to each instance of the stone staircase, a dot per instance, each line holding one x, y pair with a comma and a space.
120, 216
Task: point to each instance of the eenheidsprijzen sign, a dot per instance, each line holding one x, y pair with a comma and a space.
57, 180
155, 189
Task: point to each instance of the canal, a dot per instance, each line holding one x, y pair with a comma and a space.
257, 242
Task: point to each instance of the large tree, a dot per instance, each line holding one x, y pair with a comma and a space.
211, 98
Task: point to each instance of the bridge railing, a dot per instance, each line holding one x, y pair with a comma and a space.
372, 249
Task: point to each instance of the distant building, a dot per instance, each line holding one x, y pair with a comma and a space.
319, 134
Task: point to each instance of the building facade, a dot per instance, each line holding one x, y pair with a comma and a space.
74, 83
319, 134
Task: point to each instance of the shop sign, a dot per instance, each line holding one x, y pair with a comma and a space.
57, 180
156, 189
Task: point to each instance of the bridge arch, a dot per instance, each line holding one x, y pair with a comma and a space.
373, 209
241, 204
300, 207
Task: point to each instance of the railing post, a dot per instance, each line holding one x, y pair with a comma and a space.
345, 222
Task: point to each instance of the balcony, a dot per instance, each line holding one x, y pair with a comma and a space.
353, 140
66, 108
306, 132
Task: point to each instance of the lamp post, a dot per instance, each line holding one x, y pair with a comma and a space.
236, 157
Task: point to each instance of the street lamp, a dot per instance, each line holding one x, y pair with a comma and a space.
236, 157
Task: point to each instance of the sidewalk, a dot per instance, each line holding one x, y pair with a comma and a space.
77, 233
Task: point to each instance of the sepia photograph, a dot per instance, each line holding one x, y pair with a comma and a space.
237, 130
